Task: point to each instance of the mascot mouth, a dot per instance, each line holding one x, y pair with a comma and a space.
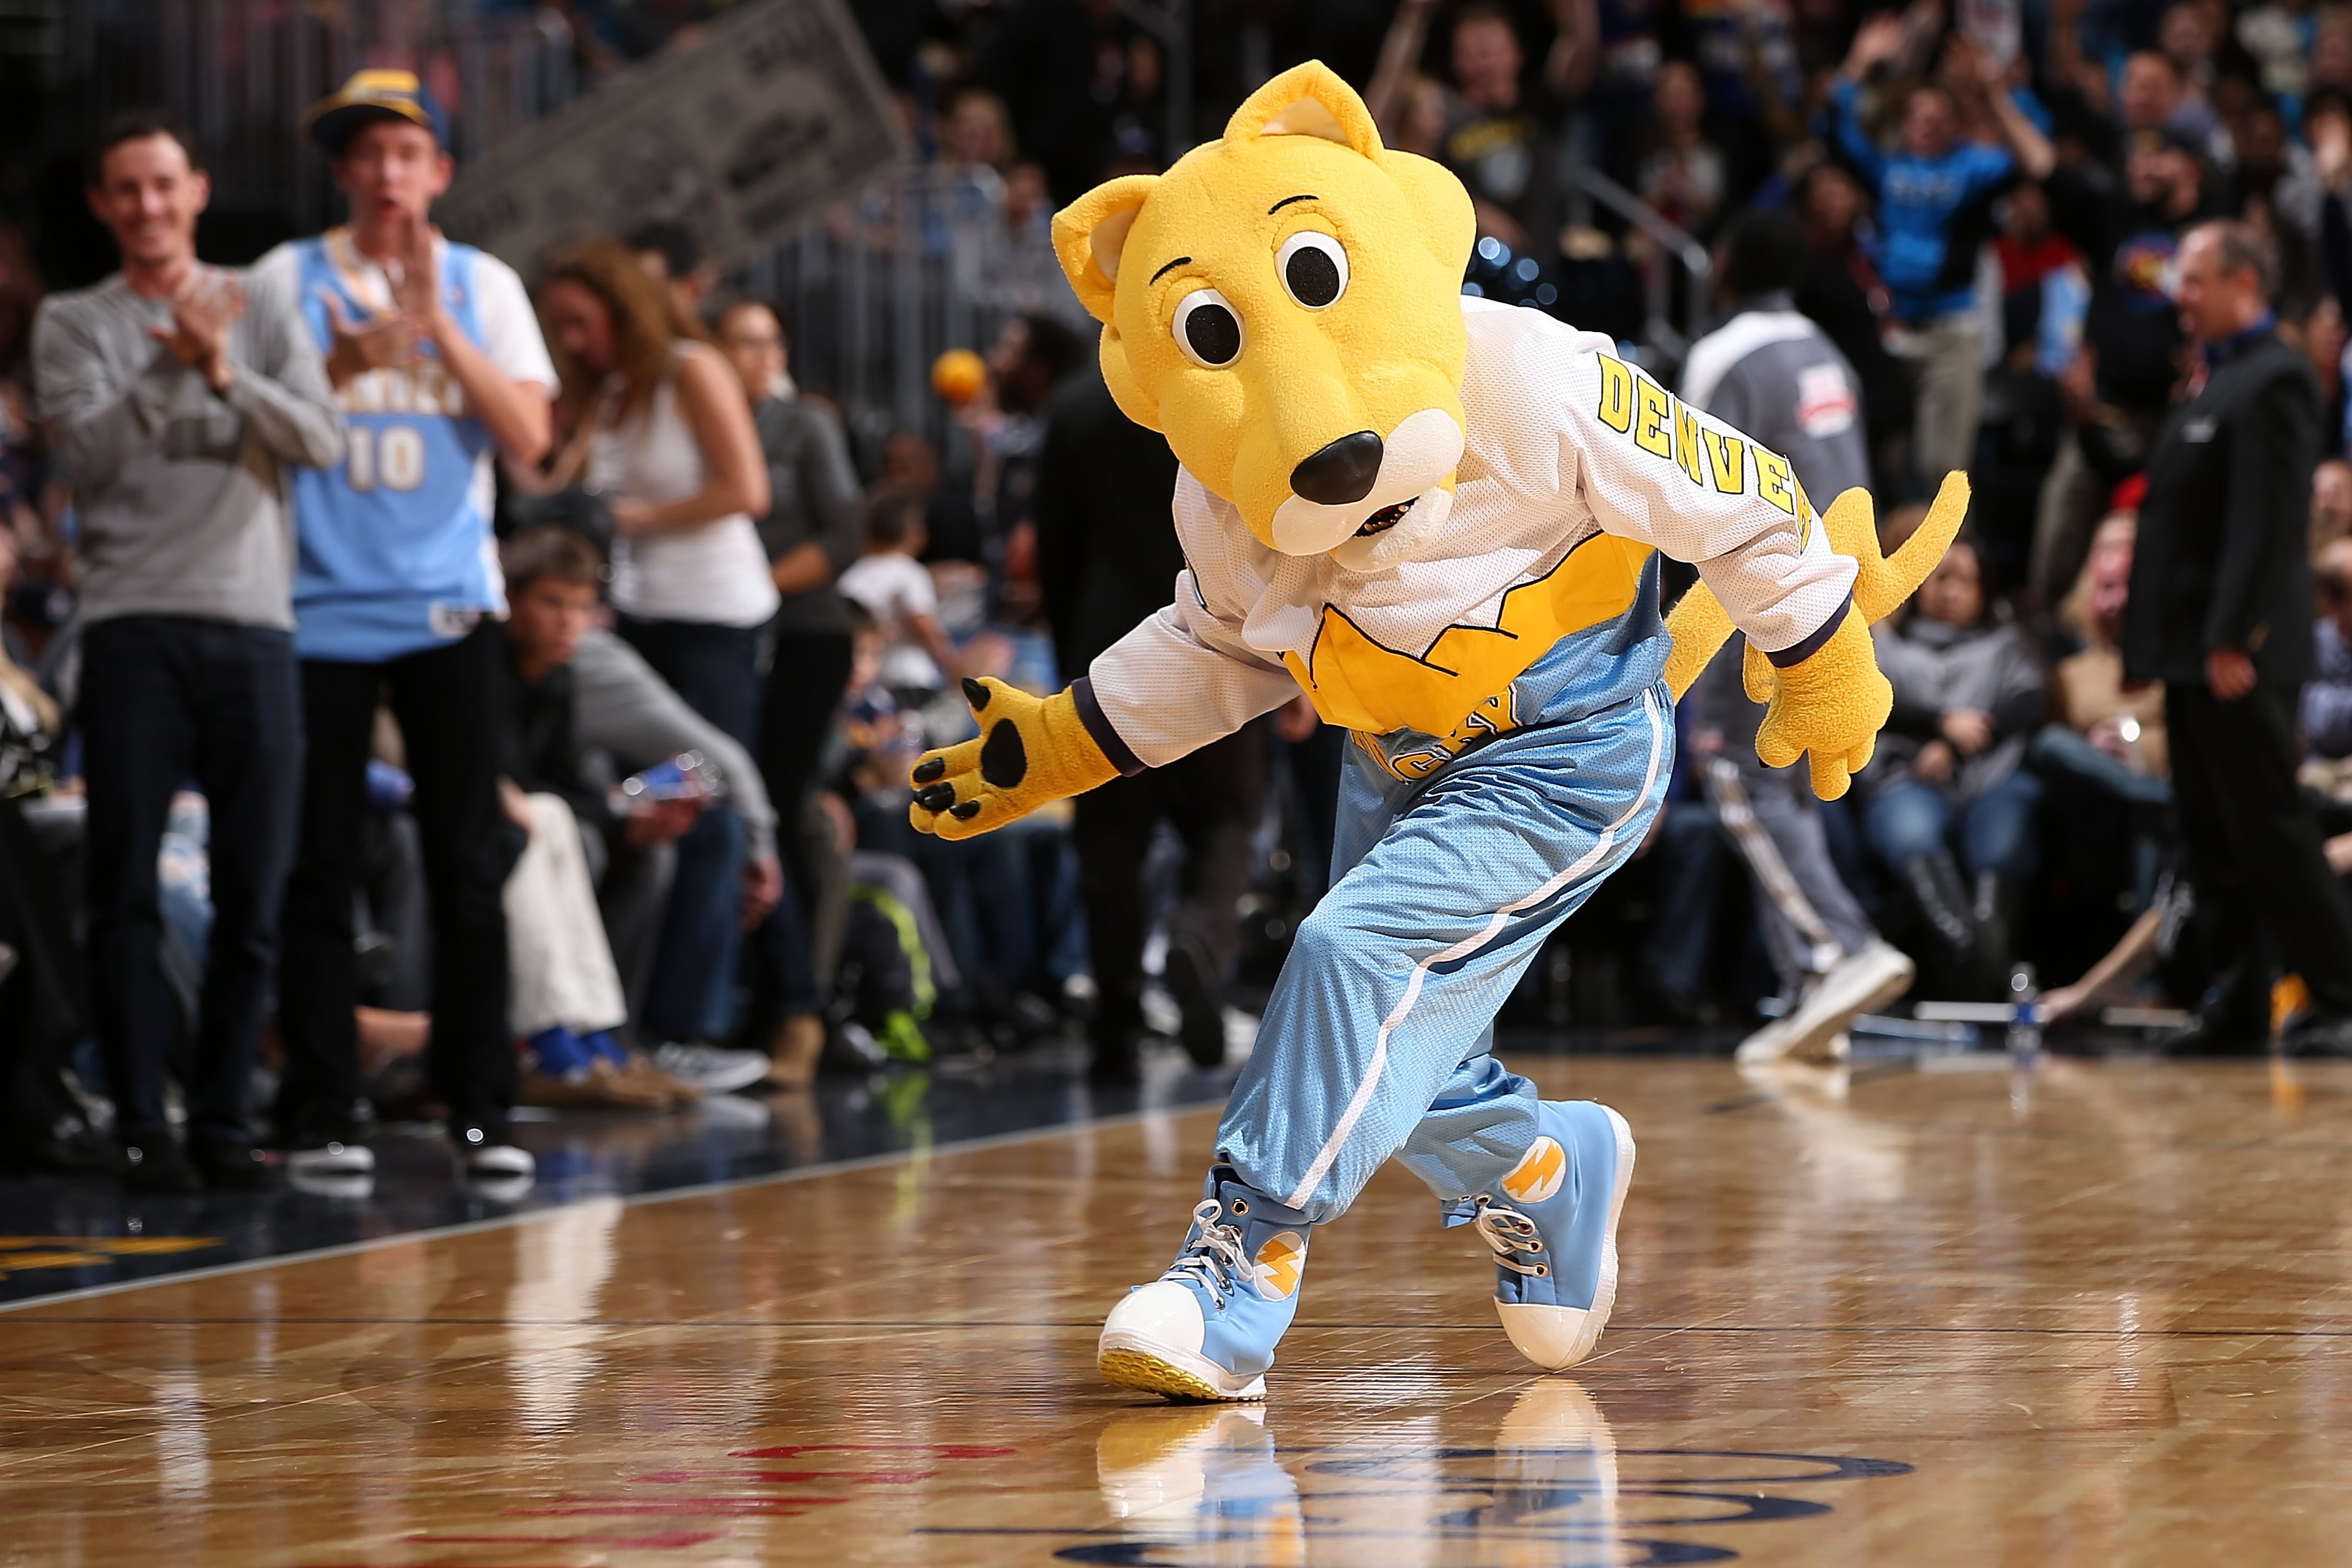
1418, 456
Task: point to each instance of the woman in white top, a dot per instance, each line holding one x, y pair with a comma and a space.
666, 437
671, 447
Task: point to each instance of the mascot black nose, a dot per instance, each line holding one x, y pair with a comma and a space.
1340, 473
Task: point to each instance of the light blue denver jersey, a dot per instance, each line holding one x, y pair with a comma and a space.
396, 552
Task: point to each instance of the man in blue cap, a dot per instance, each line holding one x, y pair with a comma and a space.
437, 361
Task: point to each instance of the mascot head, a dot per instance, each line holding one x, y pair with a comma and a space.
1285, 306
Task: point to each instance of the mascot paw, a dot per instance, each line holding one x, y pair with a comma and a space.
1031, 751
1830, 704
1880, 584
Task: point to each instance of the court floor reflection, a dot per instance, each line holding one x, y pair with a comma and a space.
1209, 1486
58, 1235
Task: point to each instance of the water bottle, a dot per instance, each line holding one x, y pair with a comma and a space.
686, 776
2025, 1016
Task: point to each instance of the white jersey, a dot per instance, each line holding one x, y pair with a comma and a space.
1577, 466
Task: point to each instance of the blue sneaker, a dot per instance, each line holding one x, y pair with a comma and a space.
1207, 1328
1552, 1222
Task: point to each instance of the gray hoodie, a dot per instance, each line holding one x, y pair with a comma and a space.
619, 705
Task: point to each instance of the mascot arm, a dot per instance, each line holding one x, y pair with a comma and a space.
1820, 704
1184, 678
1160, 692
1654, 469
1834, 703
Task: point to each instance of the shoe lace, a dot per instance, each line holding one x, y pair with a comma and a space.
1213, 1256
1510, 1234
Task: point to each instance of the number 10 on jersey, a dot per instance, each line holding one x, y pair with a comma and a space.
392, 456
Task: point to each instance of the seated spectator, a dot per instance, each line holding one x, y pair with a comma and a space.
2104, 757
565, 991
892, 586
2328, 697
575, 693
1950, 810
999, 913
1933, 195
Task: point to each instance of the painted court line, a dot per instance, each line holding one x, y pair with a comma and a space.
634, 1200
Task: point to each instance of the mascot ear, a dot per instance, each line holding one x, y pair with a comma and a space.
1089, 234
1308, 100
1447, 222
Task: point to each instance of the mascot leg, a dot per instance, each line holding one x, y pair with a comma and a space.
1375, 1042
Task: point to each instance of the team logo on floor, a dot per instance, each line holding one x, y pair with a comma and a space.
1538, 1173
1279, 1263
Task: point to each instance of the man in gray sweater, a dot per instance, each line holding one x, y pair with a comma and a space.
1774, 373
176, 395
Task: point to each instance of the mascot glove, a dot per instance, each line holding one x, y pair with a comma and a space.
1830, 703
1031, 751
1880, 583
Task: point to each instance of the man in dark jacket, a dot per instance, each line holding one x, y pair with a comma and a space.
1107, 560
2221, 612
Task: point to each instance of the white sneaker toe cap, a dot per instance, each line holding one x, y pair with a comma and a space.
1554, 1338
1164, 1313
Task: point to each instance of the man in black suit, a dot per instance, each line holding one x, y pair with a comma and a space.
1107, 560
2221, 612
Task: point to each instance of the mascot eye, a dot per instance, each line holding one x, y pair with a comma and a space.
1314, 268
1208, 329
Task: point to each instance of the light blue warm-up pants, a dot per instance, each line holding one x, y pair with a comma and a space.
1376, 1041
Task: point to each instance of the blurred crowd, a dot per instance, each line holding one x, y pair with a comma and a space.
427, 690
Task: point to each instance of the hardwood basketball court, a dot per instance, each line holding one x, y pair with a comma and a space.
2094, 1312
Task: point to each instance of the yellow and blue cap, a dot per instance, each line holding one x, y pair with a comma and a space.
372, 95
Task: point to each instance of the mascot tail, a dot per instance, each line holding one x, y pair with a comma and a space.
1700, 628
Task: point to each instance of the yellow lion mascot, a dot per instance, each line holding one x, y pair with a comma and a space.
1439, 517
